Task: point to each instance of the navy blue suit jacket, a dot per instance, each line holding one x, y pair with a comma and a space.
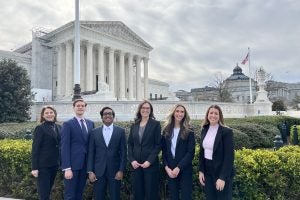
109, 159
74, 144
223, 153
184, 152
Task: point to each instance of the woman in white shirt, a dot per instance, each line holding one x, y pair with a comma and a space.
216, 156
178, 148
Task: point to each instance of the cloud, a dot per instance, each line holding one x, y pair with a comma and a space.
193, 39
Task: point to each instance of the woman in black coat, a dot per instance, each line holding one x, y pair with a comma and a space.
144, 145
46, 151
178, 149
216, 156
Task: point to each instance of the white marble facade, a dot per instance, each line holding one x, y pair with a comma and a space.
111, 56
114, 61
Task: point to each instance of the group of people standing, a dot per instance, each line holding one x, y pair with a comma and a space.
101, 154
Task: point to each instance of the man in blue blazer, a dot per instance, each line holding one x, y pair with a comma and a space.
74, 142
107, 156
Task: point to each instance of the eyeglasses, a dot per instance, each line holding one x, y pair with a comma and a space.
108, 113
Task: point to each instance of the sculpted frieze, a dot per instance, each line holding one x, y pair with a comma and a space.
117, 30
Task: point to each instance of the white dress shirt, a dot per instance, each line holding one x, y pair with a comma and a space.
107, 132
174, 140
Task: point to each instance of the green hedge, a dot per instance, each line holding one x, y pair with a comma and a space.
263, 174
292, 129
250, 132
260, 174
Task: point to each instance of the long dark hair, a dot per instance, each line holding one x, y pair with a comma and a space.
221, 118
138, 116
185, 126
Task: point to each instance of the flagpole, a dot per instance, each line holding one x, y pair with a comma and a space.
250, 88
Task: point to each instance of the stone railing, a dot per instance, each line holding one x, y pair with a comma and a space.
126, 110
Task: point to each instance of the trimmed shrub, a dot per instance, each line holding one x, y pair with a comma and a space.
256, 137
241, 140
292, 133
260, 174
15, 165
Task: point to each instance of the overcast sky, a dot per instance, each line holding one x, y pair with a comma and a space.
192, 39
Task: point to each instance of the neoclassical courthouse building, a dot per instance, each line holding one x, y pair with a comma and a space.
112, 61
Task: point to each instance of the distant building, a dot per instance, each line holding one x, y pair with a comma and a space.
204, 94
183, 95
286, 92
238, 86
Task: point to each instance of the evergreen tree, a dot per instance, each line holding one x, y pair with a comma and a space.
278, 106
15, 95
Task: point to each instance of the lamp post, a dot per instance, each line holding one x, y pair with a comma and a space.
295, 136
277, 142
77, 89
28, 135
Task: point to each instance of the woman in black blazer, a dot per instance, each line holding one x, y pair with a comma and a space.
216, 156
143, 149
178, 149
46, 151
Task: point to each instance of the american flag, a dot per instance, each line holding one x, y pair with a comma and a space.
245, 59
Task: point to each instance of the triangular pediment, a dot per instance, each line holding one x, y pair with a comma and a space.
116, 29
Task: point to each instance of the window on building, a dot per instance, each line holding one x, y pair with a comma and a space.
155, 96
150, 96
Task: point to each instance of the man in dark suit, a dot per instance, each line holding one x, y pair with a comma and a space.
107, 156
74, 142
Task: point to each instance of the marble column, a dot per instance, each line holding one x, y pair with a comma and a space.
89, 67
122, 76
138, 78
146, 84
59, 91
111, 71
101, 77
69, 74
82, 69
130, 77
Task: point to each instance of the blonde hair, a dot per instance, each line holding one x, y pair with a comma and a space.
185, 126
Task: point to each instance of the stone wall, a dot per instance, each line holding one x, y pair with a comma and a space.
125, 110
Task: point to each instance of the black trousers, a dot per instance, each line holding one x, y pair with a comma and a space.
45, 181
211, 193
181, 187
146, 183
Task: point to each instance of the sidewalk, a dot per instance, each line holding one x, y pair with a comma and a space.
4, 198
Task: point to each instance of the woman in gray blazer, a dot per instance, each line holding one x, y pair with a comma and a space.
143, 149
